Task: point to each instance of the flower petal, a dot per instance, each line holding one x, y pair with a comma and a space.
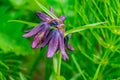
62, 46
37, 39
67, 45
43, 17
47, 31
51, 10
46, 40
35, 30
40, 36
69, 35
53, 45
27, 31
70, 47
62, 18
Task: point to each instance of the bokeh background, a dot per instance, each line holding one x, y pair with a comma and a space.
97, 51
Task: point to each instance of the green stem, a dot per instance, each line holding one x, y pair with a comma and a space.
99, 66
82, 28
78, 67
59, 64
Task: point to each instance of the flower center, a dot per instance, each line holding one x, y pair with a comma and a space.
54, 22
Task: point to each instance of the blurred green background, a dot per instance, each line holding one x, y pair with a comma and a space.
97, 51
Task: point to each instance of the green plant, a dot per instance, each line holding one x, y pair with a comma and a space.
95, 29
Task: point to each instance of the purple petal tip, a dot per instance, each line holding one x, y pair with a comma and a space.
26, 35
62, 18
65, 57
51, 10
49, 55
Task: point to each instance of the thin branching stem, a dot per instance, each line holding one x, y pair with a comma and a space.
78, 67
99, 67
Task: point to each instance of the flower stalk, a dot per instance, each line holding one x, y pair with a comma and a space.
59, 64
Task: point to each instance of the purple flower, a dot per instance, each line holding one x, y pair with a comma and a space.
54, 38
40, 32
56, 41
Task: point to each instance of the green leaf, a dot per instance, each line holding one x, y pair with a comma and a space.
82, 28
61, 78
2, 77
11, 39
95, 24
24, 22
53, 77
11, 78
22, 76
3, 64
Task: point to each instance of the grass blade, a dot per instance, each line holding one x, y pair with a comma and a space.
25, 22
45, 9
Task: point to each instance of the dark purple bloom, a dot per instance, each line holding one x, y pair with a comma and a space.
43, 16
40, 32
56, 41
54, 38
